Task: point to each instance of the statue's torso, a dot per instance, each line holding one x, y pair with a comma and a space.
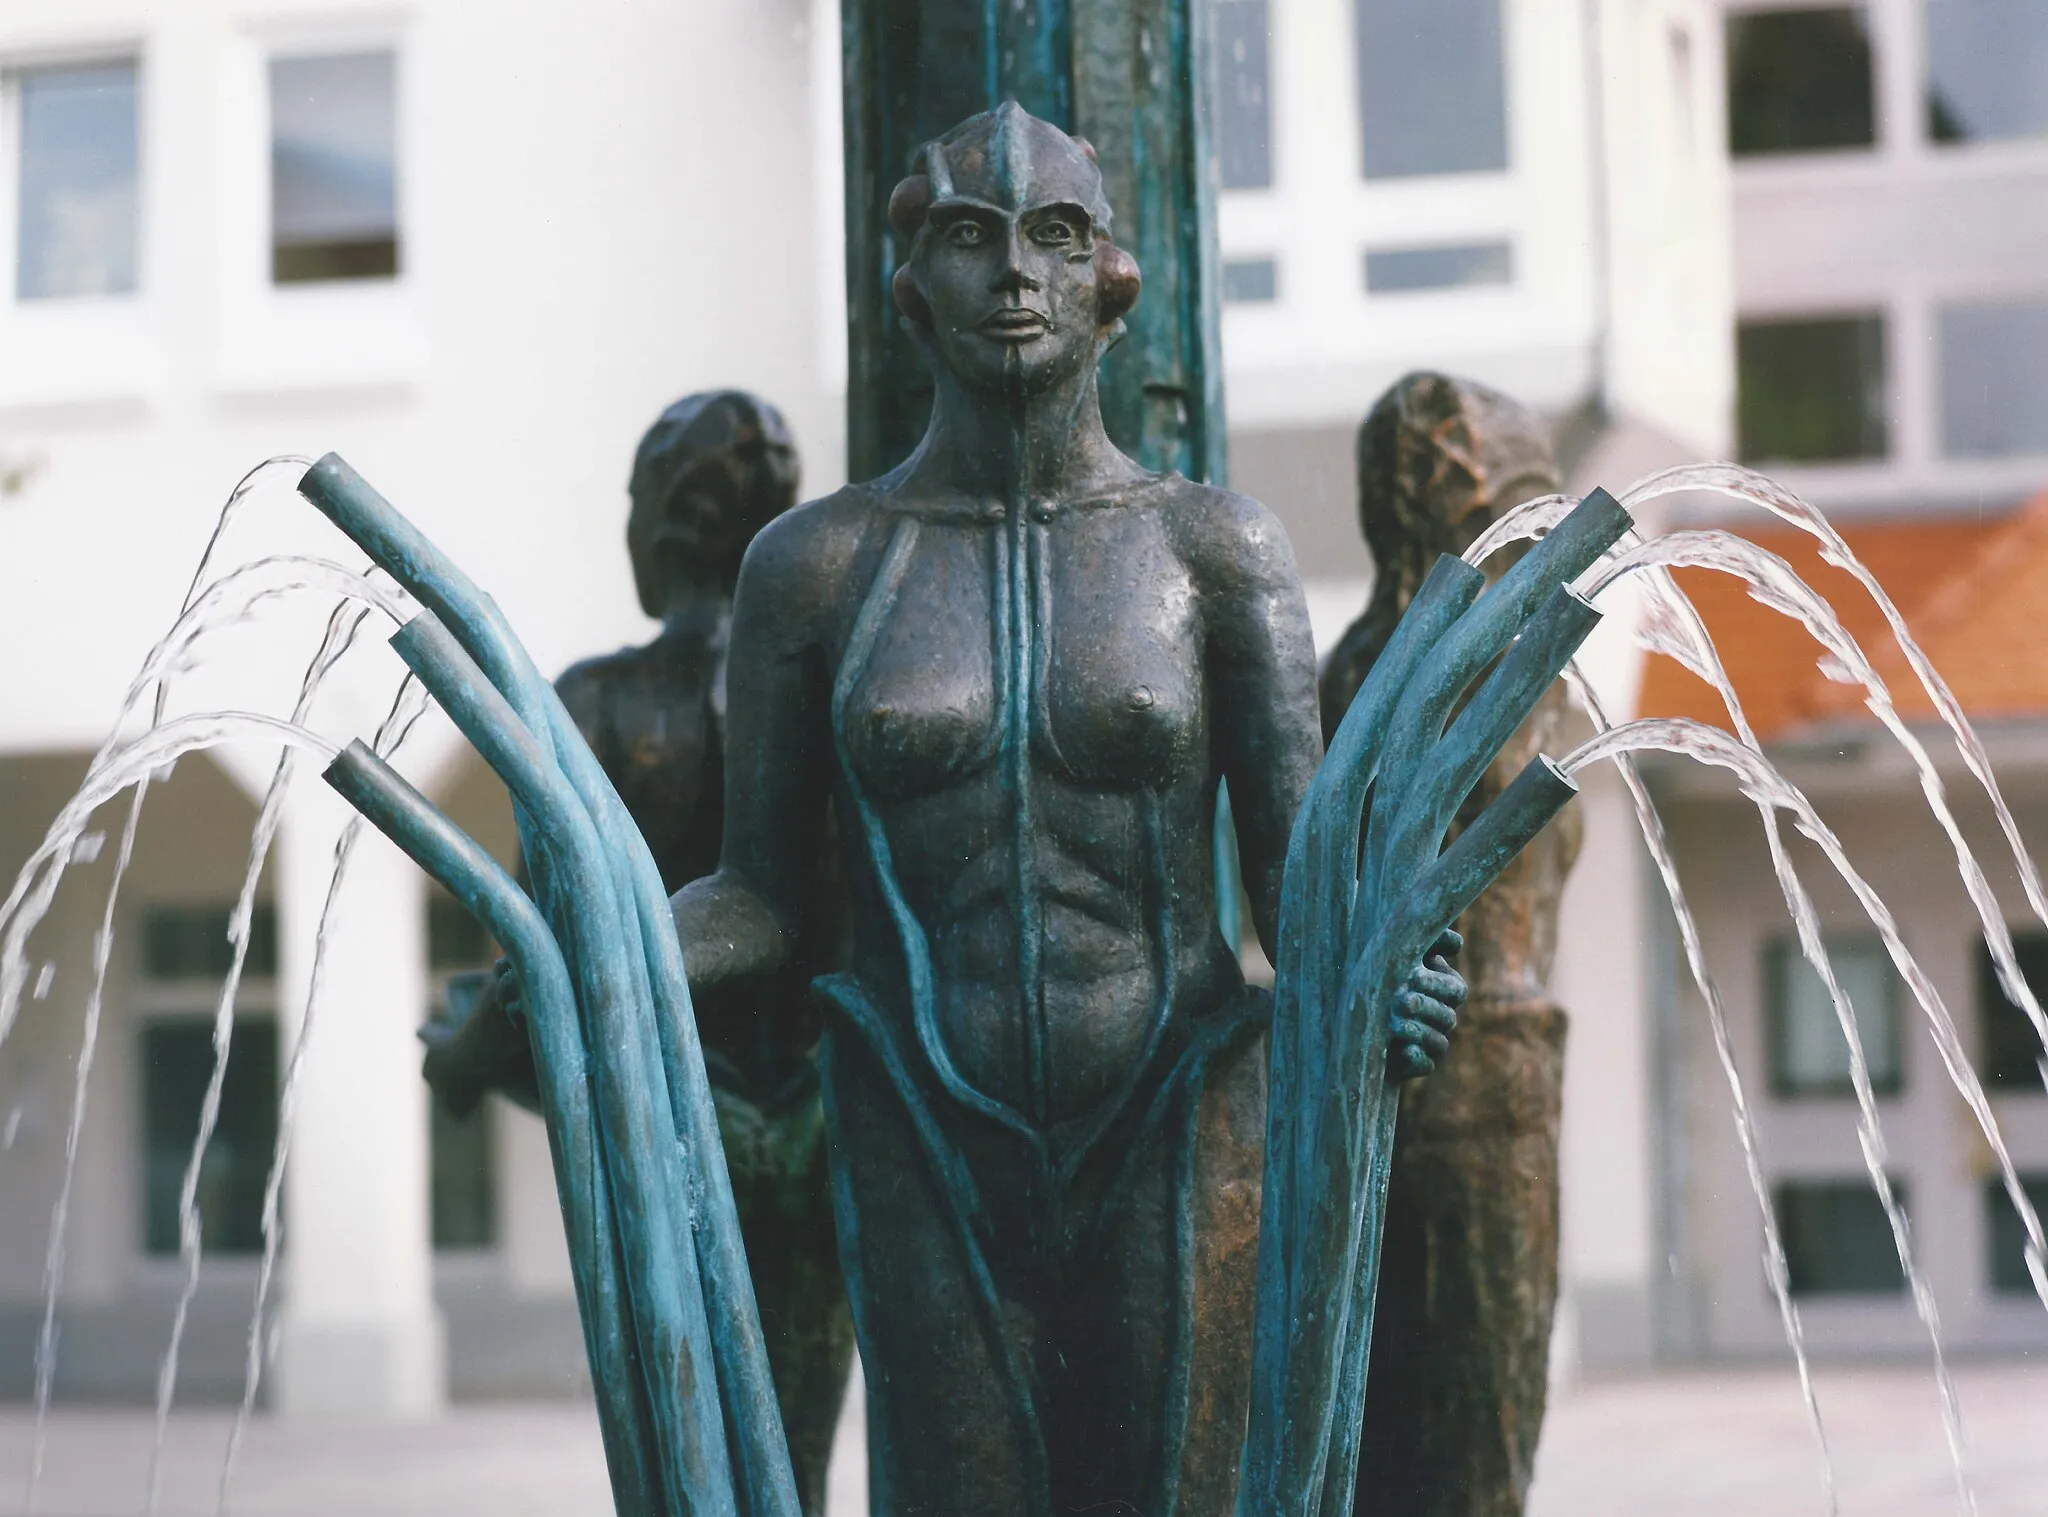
1030, 724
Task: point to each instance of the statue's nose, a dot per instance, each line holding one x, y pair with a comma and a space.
1012, 276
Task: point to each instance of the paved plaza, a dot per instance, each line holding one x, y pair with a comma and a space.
1723, 1443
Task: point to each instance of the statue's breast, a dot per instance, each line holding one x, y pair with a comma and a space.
1118, 697
1087, 619
921, 712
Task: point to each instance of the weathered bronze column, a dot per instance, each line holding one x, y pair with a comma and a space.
1128, 75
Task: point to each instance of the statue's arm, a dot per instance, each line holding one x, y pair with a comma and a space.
1262, 682
746, 919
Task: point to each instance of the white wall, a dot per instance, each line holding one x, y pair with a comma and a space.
586, 236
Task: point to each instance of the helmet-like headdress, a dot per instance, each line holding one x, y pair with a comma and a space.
1009, 161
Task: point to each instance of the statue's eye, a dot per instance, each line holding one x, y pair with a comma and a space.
1053, 234
966, 234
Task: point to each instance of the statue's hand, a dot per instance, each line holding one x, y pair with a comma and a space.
1426, 1011
477, 1043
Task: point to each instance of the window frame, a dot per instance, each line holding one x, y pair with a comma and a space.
1890, 412
1884, 136
1511, 156
80, 351
1781, 956
486, 1113
1921, 33
153, 1002
335, 336
12, 67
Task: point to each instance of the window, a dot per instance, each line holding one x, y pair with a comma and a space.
1838, 1241
1391, 271
1987, 69
2008, 1048
182, 943
1800, 81
1809, 1055
1244, 113
75, 213
177, 1064
464, 1181
1994, 380
2008, 1253
1811, 390
333, 168
1251, 281
1432, 87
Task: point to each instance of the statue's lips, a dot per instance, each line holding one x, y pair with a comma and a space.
1015, 324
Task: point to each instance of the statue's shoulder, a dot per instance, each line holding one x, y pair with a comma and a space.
801, 562
1228, 540
588, 686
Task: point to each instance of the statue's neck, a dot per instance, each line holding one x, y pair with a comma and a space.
1017, 444
697, 608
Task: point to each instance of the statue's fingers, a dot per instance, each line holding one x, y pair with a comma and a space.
1449, 943
1407, 1062
1417, 1007
1444, 985
1422, 1037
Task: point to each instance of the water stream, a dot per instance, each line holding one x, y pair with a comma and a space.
406, 708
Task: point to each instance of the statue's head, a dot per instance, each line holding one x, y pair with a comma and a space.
713, 470
1439, 459
1010, 271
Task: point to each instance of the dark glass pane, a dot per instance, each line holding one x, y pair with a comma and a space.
1837, 1238
1800, 81
191, 942
1987, 69
1244, 112
1809, 1055
1251, 279
1432, 87
455, 939
1994, 380
177, 1063
2008, 1048
2009, 1273
76, 216
1811, 390
465, 1191
1393, 270
334, 167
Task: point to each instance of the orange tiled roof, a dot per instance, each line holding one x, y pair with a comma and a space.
1973, 591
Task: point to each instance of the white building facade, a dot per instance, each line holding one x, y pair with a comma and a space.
1890, 178
475, 249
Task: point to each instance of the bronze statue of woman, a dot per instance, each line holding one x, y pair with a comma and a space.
713, 470
1015, 669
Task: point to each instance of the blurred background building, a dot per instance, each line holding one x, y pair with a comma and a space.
476, 249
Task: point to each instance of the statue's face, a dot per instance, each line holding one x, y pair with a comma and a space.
1012, 294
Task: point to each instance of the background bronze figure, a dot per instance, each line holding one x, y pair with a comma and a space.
1468, 1276
709, 474
1017, 666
